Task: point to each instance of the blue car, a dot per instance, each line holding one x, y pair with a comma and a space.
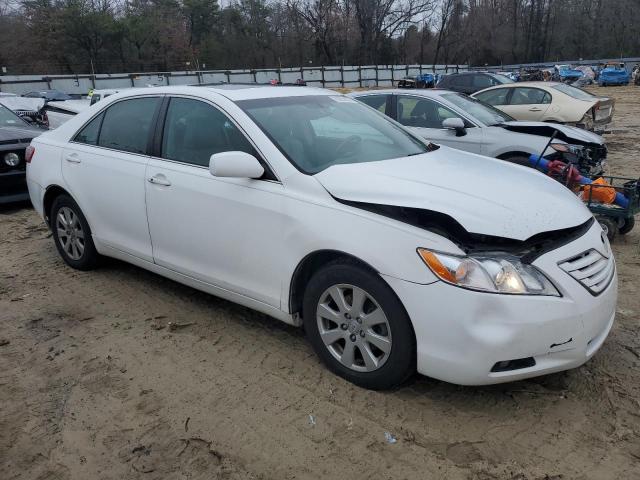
566, 74
613, 76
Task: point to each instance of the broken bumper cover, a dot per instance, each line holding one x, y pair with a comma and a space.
462, 335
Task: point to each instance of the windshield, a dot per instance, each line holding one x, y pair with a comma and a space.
318, 131
10, 119
481, 111
574, 92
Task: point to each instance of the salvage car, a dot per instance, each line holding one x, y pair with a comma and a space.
551, 102
59, 112
470, 82
15, 136
310, 207
613, 76
30, 109
566, 74
459, 121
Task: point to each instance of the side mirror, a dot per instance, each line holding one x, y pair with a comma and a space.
235, 165
456, 124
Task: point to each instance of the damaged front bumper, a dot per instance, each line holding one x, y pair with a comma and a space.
474, 338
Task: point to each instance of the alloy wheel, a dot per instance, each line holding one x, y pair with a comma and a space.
353, 327
70, 233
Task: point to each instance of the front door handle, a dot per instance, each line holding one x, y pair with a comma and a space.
73, 158
159, 179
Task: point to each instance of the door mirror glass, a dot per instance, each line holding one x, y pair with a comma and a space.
235, 164
456, 124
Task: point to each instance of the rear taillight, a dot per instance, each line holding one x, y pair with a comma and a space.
28, 153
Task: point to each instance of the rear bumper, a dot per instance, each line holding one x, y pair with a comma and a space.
13, 187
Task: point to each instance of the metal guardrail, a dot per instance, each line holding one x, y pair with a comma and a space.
330, 76
629, 61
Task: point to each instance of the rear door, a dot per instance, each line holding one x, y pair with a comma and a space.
528, 103
425, 117
104, 166
214, 229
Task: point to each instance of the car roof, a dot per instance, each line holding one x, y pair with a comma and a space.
424, 92
234, 92
539, 84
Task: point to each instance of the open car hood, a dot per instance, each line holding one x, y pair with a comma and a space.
484, 195
22, 103
564, 132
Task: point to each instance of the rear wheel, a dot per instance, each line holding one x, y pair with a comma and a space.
358, 326
72, 234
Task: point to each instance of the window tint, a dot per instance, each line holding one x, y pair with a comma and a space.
494, 97
461, 81
127, 124
529, 96
89, 134
379, 102
574, 92
194, 130
483, 81
424, 113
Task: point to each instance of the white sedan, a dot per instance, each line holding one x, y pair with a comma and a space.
550, 102
456, 120
306, 205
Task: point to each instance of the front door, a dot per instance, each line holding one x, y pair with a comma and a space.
425, 117
104, 167
224, 231
528, 104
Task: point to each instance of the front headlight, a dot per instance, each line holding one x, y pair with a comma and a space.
11, 159
491, 272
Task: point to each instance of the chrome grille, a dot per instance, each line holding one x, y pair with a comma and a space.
592, 269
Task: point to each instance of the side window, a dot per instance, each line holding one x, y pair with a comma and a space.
482, 81
379, 102
461, 81
127, 124
422, 112
494, 97
194, 130
89, 134
529, 96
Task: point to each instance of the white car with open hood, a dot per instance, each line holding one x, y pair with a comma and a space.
459, 121
306, 205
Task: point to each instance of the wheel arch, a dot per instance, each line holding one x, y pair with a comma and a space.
51, 193
310, 264
513, 153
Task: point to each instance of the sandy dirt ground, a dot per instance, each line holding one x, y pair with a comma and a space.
95, 385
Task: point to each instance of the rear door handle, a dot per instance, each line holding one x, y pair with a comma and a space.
159, 179
73, 158
535, 109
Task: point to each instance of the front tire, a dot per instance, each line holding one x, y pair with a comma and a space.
72, 235
358, 326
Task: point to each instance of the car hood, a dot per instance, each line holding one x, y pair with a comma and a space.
72, 106
565, 132
14, 134
22, 103
484, 195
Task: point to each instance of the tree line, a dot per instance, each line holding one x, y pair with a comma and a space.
108, 36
